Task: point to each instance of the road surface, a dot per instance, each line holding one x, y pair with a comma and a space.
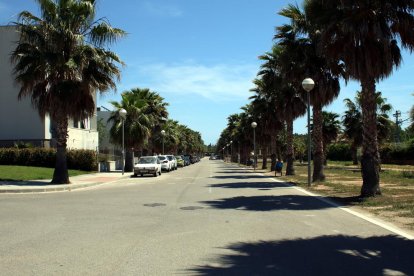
210, 218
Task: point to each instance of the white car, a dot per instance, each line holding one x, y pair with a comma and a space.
148, 165
166, 164
173, 161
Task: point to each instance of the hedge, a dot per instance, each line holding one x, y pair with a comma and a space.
41, 157
400, 154
339, 152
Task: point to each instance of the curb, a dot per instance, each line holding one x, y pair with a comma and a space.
62, 188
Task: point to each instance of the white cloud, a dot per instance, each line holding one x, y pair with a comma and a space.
162, 10
218, 82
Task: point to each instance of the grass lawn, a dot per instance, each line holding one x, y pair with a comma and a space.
19, 173
343, 184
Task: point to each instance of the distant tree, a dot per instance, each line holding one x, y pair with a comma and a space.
331, 128
352, 121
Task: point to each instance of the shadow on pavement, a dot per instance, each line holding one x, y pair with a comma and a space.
252, 185
6, 182
240, 176
269, 203
327, 255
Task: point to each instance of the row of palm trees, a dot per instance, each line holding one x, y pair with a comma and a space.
327, 41
62, 58
148, 129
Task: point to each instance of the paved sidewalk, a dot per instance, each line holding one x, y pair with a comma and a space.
77, 182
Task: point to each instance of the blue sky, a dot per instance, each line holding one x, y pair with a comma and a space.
201, 56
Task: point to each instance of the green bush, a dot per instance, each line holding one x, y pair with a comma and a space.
41, 157
339, 152
84, 160
401, 154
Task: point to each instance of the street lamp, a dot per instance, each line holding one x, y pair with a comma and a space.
122, 114
254, 125
162, 134
308, 84
231, 151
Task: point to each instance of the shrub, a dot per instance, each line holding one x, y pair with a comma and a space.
402, 154
85, 160
339, 152
41, 157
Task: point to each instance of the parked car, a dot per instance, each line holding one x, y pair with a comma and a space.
148, 165
213, 157
186, 159
166, 164
180, 161
173, 161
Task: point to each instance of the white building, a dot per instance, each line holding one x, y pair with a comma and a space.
19, 121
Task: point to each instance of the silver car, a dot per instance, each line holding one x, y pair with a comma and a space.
166, 164
173, 161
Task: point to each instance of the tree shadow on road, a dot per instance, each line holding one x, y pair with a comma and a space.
251, 185
269, 203
326, 255
240, 176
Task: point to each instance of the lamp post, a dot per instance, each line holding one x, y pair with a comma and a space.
231, 150
308, 84
254, 125
122, 114
162, 134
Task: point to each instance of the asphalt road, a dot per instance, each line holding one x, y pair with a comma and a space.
207, 219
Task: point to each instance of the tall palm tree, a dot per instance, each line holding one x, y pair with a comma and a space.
352, 121
364, 35
140, 120
303, 36
287, 54
60, 62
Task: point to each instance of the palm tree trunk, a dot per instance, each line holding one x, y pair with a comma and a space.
318, 156
290, 170
129, 160
264, 158
370, 153
60, 174
354, 151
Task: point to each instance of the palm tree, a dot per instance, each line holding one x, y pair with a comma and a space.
288, 53
352, 121
364, 36
325, 72
60, 62
330, 129
141, 118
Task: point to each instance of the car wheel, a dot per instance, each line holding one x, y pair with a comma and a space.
159, 172
142, 175
135, 175
155, 174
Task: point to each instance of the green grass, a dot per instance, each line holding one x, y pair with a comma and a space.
343, 184
21, 173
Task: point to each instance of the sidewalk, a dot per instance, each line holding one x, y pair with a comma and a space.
77, 182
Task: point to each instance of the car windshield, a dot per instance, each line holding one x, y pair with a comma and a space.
161, 157
170, 158
147, 160
178, 157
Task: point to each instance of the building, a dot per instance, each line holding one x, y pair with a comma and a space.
20, 122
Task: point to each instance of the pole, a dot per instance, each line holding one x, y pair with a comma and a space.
123, 147
397, 123
163, 145
231, 152
309, 143
254, 149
